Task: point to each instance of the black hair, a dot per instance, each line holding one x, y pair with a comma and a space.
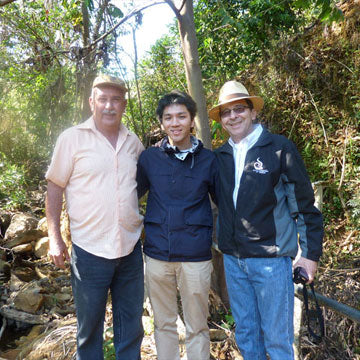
176, 97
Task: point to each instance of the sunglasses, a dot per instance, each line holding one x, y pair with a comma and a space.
238, 110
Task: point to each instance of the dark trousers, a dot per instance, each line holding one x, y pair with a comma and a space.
92, 277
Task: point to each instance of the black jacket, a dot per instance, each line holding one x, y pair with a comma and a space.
275, 203
178, 221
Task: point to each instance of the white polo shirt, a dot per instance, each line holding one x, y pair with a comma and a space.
240, 150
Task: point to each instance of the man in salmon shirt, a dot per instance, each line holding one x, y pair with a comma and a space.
94, 165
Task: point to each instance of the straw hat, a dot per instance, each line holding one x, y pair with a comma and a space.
230, 92
104, 79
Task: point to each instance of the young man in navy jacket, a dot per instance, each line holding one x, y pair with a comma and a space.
266, 208
179, 176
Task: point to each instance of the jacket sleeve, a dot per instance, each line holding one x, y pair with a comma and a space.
141, 177
300, 198
214, 188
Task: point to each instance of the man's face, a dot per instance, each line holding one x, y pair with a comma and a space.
107, 104
237, 119
177, 123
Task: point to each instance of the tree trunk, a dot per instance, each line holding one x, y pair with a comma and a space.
193, 71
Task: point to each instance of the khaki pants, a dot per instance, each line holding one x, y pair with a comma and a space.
193, 280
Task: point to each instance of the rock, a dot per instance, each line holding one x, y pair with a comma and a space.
24, 238
219, 334
35, 331
41, 247
42, 225
29, 299
26, 274
65, 229
62, 297
5, 219
15, 283
19, 224
5, 269
21, 249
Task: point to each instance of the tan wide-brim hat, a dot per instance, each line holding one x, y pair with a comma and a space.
232, 91
107, 80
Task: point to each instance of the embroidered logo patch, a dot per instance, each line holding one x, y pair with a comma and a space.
259, 167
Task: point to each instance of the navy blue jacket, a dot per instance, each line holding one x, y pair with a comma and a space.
275, 204
178, 220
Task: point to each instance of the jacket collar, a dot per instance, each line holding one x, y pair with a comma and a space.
169, 149
264, 139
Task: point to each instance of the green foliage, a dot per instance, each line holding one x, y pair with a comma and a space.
227, 319
12, 184
235, 34
159, 73
109, 350
354, 204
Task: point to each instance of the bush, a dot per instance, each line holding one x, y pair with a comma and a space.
12, 184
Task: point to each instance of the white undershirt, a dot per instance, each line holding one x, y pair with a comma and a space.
240, 150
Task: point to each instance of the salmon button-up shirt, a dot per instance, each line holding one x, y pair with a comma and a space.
100, 188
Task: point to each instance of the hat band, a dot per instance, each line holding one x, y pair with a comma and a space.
233, 96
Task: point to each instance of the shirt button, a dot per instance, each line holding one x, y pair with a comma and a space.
174, 181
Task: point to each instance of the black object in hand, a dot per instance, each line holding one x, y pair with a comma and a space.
300, 275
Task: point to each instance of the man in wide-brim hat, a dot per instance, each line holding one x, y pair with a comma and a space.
266, 204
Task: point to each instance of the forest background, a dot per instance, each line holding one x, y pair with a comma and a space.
301, 56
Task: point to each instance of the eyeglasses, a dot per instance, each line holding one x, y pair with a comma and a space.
237, 111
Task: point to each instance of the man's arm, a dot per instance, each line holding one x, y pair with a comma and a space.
58, 251
309, 218
141, 179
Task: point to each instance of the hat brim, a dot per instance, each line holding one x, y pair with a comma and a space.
257, 102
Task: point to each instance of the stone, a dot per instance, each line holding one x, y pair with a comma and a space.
23, 248
62, 297
15, 283
24, 238
29, 299
5, 270
4, 266
65, 229
20, 223
5, 219
43, 225
26, 274
41, 247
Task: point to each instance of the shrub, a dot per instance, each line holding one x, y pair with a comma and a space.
12, 184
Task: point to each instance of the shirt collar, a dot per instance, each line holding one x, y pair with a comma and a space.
90, 125
182, 154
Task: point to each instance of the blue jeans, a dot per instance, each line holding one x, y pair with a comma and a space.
261, 295
92, 277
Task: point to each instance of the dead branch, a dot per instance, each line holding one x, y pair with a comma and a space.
5, 2
321, 122
10, 313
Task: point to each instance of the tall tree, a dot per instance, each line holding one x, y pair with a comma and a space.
185, 17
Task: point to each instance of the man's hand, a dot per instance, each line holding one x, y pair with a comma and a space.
309, 265
58, 252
